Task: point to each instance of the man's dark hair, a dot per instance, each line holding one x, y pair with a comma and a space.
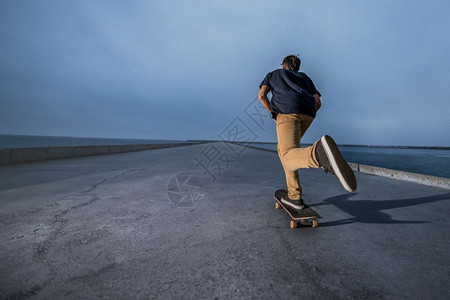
291, 62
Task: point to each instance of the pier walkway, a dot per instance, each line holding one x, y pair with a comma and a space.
198, 221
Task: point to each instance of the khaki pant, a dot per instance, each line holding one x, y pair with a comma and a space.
290, 129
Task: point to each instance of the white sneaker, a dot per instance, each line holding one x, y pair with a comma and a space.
295, 204
331, 160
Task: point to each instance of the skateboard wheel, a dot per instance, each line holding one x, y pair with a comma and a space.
293, 224
315, 223
277, 205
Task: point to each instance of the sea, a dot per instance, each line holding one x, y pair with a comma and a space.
434, 161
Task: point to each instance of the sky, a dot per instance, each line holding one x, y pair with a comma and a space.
191, 69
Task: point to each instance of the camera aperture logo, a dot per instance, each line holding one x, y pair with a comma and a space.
184, 190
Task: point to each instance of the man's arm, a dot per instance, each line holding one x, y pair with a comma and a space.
262, 96
317, 101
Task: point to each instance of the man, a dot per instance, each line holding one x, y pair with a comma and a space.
294, 103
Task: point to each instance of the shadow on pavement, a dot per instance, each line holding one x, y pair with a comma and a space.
367, 211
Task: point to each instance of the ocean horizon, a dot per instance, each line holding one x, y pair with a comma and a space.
24, 140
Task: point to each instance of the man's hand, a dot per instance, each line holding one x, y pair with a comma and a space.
317, 101
262, 96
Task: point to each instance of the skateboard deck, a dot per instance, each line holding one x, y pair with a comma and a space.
306, 216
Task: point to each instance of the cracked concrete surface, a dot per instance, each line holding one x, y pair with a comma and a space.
105, 227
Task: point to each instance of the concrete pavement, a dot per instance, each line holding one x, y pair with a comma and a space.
199, 222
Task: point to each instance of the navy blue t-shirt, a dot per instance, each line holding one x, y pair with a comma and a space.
292, 92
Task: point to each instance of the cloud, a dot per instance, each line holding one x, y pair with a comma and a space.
169, 69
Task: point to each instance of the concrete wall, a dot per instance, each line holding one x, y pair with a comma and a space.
18, 155
435, 181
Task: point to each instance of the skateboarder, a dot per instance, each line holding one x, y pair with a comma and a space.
294, 103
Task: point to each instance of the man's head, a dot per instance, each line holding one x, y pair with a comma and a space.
291, 62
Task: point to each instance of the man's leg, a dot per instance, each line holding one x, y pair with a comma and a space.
290, 129
324, 153
292, 181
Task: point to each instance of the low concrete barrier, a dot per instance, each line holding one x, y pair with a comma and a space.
114, 149
60, 152
429, 180
83, 151
28, 154
5, 156
19, 155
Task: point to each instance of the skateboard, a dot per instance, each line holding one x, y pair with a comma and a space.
306, 217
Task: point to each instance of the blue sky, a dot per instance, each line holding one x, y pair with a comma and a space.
188, 69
